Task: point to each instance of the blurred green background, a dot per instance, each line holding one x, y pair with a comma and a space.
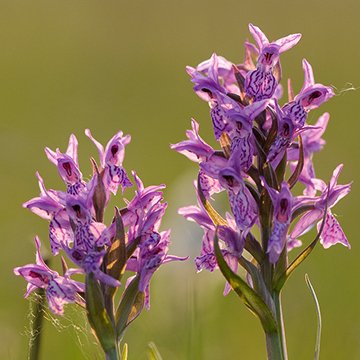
109, 65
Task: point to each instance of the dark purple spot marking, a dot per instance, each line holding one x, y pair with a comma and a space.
77, 210
114, 149
67, 168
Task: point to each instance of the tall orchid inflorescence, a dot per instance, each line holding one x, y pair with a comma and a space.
101, 253
265, 150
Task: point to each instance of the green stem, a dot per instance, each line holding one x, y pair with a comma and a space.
35, 337
273, 346
276, 341
280, 321
113, 354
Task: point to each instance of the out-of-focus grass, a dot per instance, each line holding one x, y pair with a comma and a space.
69, 65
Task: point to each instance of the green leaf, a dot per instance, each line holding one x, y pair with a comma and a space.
251, 299
259, 142
253, 172
239, 79
124, 353
318, 313
130, 248
225, 143
129, 307
99, 196
153, 352
253, 191
235, 97
281, 168
254, 248
213, 214
97, 315
300, 164
272, 132
270, 176
115, 258
258, 282
137, 307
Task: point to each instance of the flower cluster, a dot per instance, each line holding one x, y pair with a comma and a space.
131, 242
267, 147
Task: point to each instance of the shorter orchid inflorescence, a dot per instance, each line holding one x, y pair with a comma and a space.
101, 253
265, 150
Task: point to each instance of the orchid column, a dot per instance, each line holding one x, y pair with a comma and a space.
264, 150
102, 254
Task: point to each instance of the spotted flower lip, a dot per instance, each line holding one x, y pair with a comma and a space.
262, 82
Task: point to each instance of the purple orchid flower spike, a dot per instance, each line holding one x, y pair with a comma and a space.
68, 166
59, 290
332, 232
111, 160
258, 139
310, 97
261, 83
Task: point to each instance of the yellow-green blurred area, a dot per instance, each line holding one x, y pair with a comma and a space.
109, 65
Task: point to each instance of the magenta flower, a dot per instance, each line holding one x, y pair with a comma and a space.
261, 83
330, 195
241, 135
310, 97
68, 165
111, 160
60, 290
282, 202
197, 150
51, 206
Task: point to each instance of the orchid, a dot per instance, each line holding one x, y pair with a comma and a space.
261, 83
60, 290
265, 149
132, 242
